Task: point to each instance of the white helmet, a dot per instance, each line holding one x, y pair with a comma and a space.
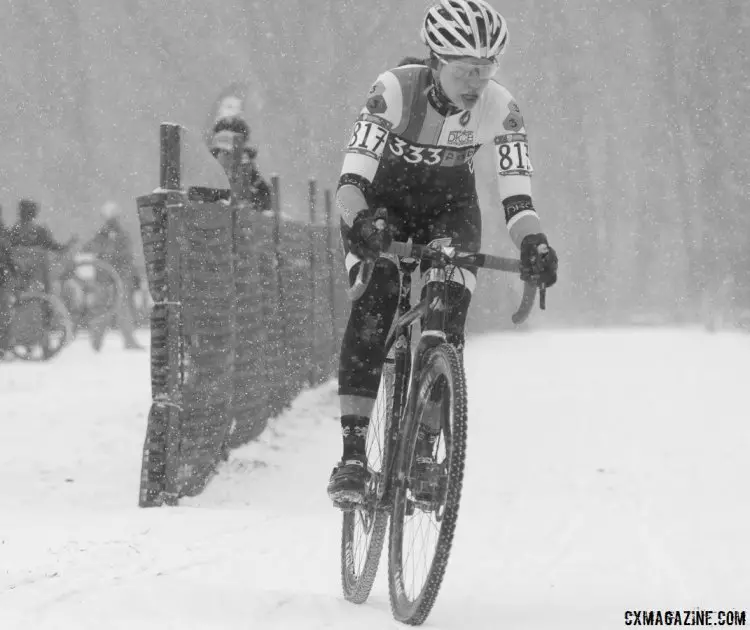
465, 28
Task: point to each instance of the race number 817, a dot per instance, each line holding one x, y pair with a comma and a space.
368, 139
513, 154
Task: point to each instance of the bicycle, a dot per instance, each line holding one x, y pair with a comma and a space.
40, 325
424, 391
90, 288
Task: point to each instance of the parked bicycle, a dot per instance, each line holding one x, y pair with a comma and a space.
423, 391
40, 325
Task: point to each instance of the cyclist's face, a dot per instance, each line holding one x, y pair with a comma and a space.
464, 79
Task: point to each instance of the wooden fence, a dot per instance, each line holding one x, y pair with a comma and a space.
248, 310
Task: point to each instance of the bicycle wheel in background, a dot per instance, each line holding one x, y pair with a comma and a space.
41, 327
90, 289
363, 528
425, 508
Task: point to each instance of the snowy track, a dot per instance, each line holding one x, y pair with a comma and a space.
617, 480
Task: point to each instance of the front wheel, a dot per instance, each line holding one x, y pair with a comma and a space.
429, 479
363, 529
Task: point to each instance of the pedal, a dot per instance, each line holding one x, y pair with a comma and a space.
347, 501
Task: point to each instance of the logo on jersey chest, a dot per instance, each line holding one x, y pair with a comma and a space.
461, 138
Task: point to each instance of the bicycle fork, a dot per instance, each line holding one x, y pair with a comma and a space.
406, 394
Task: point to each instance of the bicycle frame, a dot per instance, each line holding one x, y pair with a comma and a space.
406, 363
400, 340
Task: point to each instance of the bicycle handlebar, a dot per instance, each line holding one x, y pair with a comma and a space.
456, 258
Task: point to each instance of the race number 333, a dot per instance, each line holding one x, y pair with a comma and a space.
368, 138
513, 154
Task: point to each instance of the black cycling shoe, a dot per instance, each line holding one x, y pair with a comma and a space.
426, 481
427, 472
348, 482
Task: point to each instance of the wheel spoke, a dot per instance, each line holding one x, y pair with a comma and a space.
363, 531
426, 508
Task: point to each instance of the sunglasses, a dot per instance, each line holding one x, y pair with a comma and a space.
460, 69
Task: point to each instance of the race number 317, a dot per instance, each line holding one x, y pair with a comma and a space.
513, 154
368, 138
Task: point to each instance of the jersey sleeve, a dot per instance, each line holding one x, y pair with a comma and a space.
381, 113
513, 165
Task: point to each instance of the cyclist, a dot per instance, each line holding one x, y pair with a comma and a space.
411, 152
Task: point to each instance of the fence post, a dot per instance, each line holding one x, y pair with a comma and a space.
331, 271
170, 166
158, 222
279, 261
313, 191
169, 156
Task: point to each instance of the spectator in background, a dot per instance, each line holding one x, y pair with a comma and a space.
7, 273
231, 147
4, 233
27, 232
113, 245
27, 238
253, 188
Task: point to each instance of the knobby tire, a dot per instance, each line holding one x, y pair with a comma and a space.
357, 583
442, 361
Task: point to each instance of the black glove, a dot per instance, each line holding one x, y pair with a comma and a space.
369, 235
538, 261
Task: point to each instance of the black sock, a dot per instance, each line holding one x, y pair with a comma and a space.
354, 431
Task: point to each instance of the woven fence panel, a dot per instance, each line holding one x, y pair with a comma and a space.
207, 340
152, 216
323, 335
248, 311
295, 280
256, 296
274, 316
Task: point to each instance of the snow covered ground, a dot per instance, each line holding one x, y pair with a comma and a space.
607, 470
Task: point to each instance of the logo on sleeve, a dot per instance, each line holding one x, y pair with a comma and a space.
376, 101
514, 120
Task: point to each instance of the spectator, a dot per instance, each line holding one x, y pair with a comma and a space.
113, 245
231, 147
230, 136
253, 188
29, 240
4, 233
7, 273
27, 232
